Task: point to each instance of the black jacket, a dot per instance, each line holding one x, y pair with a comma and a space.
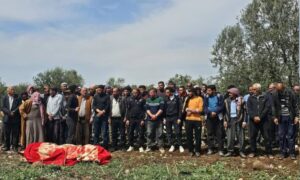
240, 109
122, 105
136, 109
172, 108
72, 104
291, 103
258, 106
15, 109
102, 102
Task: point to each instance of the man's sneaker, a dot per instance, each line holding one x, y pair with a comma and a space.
197, 154
148, 149
141, 149
130, 149
270, 156
210, 152
181, 149
228, 154
251, 155
293, 157
282, 156
242, 155
172, 148
162, 150
221, 153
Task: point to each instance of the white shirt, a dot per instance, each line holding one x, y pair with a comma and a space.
115, 112
54, 104
11, 101
81, 112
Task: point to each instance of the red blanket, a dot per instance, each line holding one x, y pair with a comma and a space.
67, 154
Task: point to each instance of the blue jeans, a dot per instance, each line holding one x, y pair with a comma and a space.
154, 133
101, 126
287, 135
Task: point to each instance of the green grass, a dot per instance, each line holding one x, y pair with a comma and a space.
131, 169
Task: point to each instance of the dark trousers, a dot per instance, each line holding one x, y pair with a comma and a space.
215, 132
82, 131
58, 131
235, 130
264, 128
71, 124
287, 135
154, 133
11, 132
101, 126
170, 124
135, 126
193, 133
117, 130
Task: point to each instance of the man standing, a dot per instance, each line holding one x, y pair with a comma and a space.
117, 116
161, 89
154, 110
72, 115
55, 124
11, 119
258, 108
235, 122
85, 117
101, 106
214, 104
193, 108
136, 119
286, 115
296, 89
173, 121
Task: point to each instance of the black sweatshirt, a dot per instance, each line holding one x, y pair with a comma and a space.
102, 102
135, 109
173, 108
258, 106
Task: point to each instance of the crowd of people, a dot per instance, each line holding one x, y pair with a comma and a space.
176, 118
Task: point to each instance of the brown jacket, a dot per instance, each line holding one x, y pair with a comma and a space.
88, 107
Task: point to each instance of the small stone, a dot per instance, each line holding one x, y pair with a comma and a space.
127, 171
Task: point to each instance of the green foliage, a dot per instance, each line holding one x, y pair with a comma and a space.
115, 82
182, 80
262, 47
54, 77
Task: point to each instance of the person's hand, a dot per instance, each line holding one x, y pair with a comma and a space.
77, 109
154, 117
225, 124
276, 121
142, 123
256, 119
178, 121
12, 114
213, 114
244, 125
188, 113
50, 117
165, 121
91, 120
127, 123
296, 120
109, 121
100, 113
125, 120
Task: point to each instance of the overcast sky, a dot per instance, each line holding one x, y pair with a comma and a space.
142, 41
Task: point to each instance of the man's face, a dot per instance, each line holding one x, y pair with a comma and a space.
232, 96
46, 90
115, 92
126, 92
168, 93
280, 87
203, 89
181, 91
256, 91
209, 91
142, 90
99, 90
152, 93
296, 90
191, 94
161, 86
250, 90
11, 91
108, 90
83, 92
135, 93
63, 87
52, 92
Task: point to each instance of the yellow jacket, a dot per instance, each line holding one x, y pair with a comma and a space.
195, 103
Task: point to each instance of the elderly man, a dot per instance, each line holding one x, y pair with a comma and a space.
258, 109
11, 119
85, 117
286, 115
235, 122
